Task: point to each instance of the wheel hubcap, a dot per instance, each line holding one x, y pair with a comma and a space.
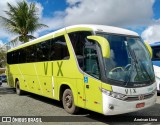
68, 101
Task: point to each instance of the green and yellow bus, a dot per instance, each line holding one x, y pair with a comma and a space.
100, 68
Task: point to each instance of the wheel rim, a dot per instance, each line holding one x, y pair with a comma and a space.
68, 101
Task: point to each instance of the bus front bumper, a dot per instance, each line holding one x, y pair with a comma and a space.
113, 106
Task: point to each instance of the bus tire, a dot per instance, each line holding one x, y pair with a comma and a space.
68, 102
18, 90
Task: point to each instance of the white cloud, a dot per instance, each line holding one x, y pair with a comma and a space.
1, 43
151, 34
122, 13
53, 23
4, 7
110, 12
39, 8
36, 34
4, 33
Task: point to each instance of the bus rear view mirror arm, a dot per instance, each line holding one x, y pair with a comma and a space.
103, 43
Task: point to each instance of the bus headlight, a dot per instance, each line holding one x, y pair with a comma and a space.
114, 94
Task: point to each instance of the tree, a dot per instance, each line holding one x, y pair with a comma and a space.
22, 20
2, 57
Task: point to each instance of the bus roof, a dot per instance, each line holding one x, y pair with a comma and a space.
104, 28
155, 44
96, 28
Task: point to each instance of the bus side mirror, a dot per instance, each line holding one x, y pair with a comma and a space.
149, 48
103, 43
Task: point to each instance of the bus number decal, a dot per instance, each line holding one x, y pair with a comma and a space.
60, 70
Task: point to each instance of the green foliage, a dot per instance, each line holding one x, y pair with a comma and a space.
2, 57
22, 20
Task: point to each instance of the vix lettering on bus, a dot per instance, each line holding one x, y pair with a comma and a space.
59, 72
130, 91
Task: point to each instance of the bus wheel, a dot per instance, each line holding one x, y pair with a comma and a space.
18, 90
68, 102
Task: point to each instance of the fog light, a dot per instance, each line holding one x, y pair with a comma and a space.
111, 107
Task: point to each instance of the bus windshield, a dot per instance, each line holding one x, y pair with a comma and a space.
129, 61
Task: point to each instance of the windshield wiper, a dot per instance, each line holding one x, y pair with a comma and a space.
142, 66
129, 76
133, 63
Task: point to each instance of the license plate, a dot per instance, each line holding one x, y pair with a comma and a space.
140, 105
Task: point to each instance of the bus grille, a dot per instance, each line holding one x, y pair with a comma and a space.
139, 97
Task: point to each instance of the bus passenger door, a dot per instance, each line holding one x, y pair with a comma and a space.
91, 79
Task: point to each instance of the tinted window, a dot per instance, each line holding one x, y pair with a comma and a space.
43, 51
78, 40
91, 64
156, 53
49, 50
15, 57
86, 53
59, 50
31, 54
9, 58
22, 56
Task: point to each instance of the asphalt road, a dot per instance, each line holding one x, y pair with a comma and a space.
34, 105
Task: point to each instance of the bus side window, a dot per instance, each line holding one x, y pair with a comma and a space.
15, 57
78, 40
9, 57
43, 51
31, 54
59, 49
85, 52
91, 60
22, 56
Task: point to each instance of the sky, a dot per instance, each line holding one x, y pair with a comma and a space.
141, 16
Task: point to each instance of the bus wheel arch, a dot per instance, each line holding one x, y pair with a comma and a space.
66, 95
63, 87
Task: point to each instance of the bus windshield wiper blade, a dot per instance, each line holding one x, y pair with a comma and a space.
146, 72
128, 77
132, 63
142, 66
